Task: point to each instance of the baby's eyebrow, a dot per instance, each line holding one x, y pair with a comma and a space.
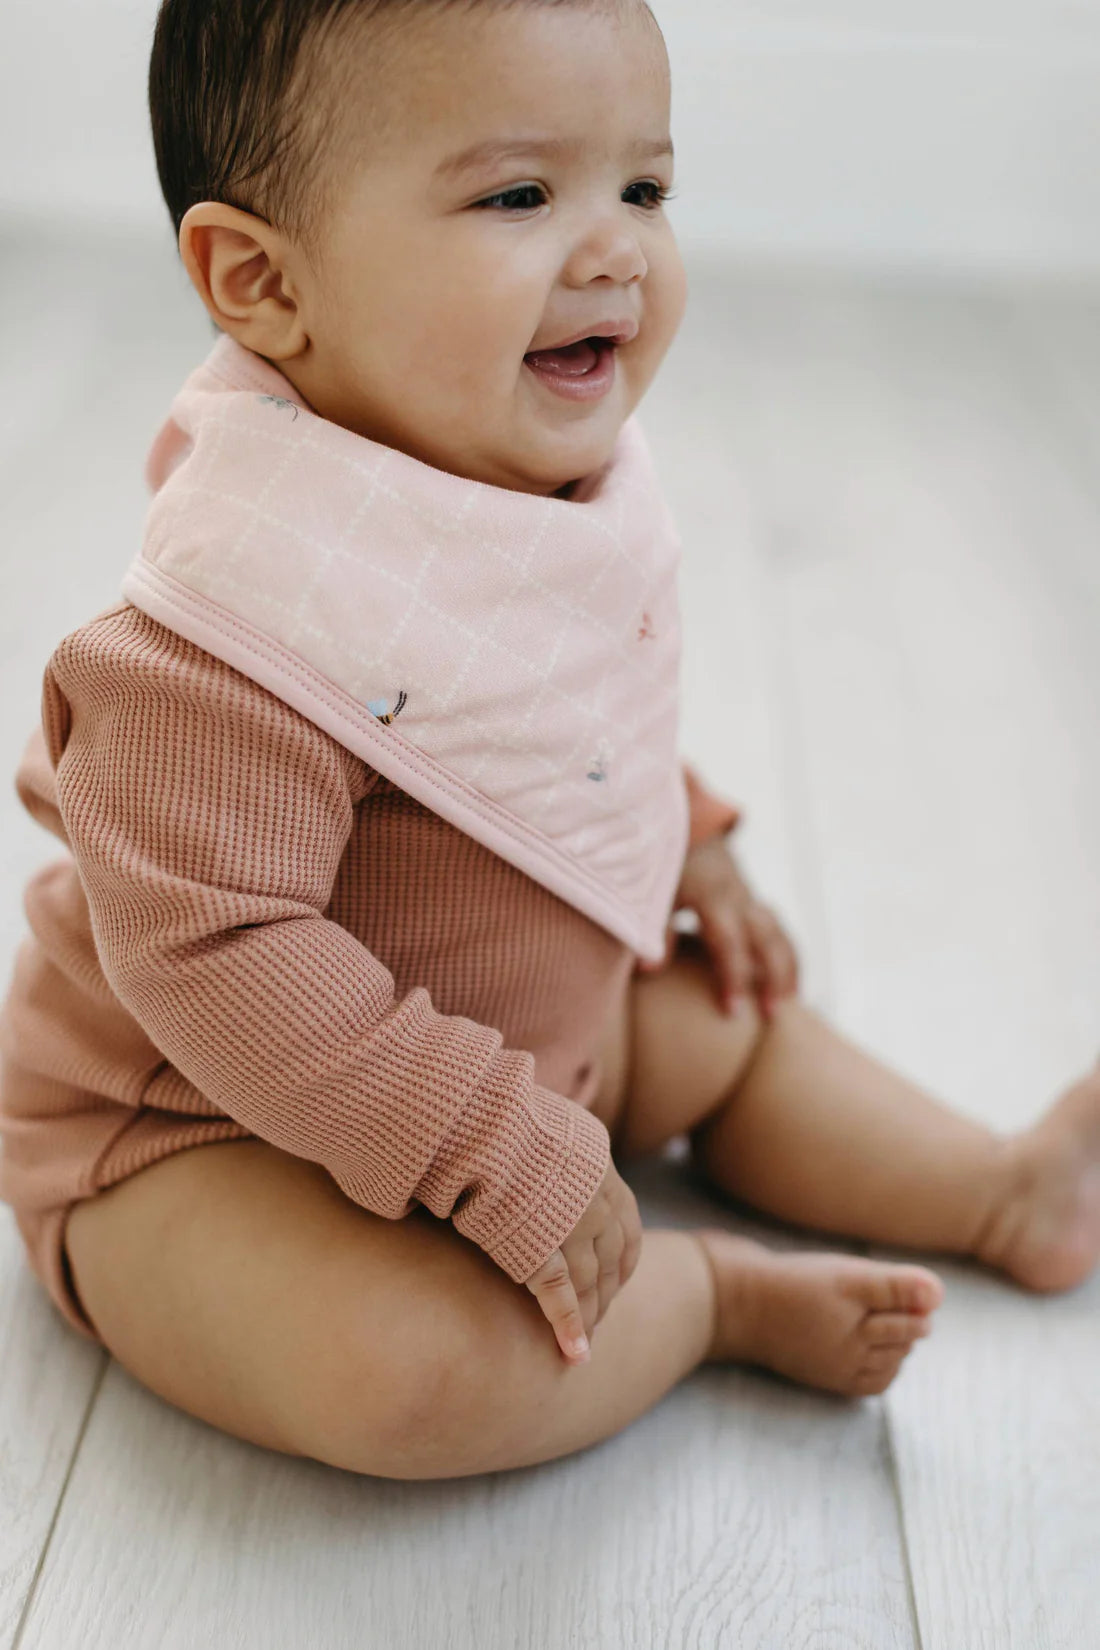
492, 150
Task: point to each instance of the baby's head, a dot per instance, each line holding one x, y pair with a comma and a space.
398, 202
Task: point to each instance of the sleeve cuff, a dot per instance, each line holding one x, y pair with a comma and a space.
562, 1200
520, 1167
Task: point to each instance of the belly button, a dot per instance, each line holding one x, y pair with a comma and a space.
584, 1073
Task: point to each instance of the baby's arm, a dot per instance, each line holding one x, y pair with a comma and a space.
208, 821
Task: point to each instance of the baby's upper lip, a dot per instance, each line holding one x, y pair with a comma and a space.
619, 331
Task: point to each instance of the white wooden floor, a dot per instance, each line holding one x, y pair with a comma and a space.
890, 500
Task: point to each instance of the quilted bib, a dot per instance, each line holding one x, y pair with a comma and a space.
510, 660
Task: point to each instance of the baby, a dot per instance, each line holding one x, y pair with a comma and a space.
376, 820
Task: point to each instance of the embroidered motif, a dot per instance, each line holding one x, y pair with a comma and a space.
280, 402
598, 769
381, 708
647, 633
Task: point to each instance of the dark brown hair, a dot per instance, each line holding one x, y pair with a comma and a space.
237, 100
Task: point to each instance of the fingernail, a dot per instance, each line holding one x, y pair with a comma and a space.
581, 1350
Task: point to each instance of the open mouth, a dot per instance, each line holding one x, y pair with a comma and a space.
580, 371
574, 361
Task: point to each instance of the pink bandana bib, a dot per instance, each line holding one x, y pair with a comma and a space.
512, 661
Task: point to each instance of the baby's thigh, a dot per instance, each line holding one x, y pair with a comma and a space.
241, 1285
686, 1055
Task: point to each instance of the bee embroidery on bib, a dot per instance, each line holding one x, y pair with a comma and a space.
598, 769
381, 708
280, 402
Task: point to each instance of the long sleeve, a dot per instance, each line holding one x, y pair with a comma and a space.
207, 821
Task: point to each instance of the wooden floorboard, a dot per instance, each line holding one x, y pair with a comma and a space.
942, 588
741, 1511
48, 1383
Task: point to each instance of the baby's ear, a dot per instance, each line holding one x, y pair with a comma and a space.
238, 266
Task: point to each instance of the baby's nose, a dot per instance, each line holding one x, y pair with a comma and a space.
613, 252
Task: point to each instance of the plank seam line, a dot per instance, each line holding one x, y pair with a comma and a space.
32, 1590
903, 1529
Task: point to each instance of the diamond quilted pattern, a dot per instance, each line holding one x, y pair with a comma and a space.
511, 660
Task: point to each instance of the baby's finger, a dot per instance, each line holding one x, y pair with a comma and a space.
552, 1287
790, 965
609, 1252
632, 1228
725, 938
773, 950
632, 1250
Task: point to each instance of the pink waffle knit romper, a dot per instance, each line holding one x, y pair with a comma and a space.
253, 932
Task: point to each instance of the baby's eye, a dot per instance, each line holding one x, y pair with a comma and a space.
657, 195
517, 199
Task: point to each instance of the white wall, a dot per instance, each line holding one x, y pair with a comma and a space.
944, 134
74, 137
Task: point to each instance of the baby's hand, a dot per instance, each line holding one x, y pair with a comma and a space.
750, 949
578, 1282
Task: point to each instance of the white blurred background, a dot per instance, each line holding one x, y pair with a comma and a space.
941, 134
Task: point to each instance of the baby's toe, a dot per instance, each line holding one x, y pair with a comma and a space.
869, 1383
883, 1360
898, 1289
895, 1328
918, 1289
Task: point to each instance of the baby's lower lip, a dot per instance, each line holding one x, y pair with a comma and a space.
588, 386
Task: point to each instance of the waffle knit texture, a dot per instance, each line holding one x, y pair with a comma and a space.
254, 933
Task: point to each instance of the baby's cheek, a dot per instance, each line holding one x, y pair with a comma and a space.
642, 360
673, 299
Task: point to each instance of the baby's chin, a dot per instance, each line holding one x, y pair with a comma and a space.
555, 466
532, 461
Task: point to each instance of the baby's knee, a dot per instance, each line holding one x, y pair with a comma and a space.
442, 1389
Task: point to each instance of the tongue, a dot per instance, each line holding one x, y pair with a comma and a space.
572, 362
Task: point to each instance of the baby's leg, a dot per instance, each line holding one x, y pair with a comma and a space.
828, 1320
810, 1128
241, 1285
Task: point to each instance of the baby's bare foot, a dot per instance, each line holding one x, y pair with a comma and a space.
1044, 1228
831, 1321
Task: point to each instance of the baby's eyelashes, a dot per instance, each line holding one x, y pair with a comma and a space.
657, 198
506, 198
519, 197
